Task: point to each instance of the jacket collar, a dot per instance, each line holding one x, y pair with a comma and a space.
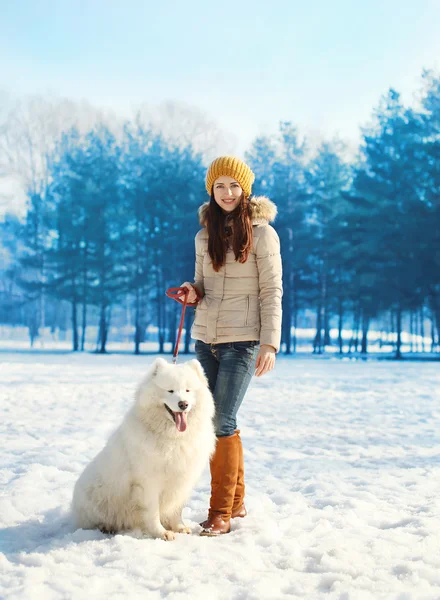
263, 211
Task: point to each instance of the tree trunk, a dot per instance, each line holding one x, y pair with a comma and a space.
399, 333
84, 299
365, 327
172, 327
411, 331
139, 249
326, 318
317, 342
33, 323
287, 310
340, 325
75, 338
422, 328
432, 321
287, 336
295, 329
287, 300
392, 331
355, 332
137, 326
160, 324
103, 331
43, 294
435, 321
160, 329
294, 313
83, 325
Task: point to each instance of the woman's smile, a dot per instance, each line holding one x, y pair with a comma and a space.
229, 186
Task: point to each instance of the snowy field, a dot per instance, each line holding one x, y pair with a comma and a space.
343, 486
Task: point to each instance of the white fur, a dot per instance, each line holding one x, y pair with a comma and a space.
145, 473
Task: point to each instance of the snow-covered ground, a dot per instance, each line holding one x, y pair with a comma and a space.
343, 486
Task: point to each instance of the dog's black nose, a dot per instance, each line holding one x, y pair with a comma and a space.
183, 405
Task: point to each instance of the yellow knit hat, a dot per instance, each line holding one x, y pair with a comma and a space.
233, 167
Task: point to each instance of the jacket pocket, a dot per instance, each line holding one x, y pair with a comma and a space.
246, 314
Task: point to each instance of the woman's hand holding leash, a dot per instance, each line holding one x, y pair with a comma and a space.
265, 360
192, 296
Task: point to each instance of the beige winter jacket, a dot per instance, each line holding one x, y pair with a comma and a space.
242, 301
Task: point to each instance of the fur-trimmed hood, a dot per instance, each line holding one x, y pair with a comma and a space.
263, 211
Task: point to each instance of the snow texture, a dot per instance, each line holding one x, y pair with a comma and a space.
343, 486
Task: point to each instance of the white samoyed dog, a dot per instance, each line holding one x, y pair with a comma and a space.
150, 464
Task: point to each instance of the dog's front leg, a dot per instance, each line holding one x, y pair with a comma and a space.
147, 505
175, 522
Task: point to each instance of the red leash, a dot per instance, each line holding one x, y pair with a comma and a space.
177, 293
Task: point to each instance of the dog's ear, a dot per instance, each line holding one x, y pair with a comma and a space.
157, 366
197, 367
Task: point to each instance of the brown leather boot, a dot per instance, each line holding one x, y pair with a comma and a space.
224, 468
238, 508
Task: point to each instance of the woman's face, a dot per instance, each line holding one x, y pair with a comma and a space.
227, 193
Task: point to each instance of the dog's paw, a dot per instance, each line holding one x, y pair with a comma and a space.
169, 536
183, 529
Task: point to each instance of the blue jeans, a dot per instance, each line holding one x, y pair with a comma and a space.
229, 368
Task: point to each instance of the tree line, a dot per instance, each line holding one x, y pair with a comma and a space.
111, 219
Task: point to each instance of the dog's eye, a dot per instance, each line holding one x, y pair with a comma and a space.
171, 391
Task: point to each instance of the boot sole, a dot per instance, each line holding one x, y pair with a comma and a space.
212, 534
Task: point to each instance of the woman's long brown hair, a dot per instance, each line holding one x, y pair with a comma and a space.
219, 238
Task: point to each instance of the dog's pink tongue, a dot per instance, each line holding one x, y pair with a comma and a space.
180, 421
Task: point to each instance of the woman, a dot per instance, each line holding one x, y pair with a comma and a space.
237, 326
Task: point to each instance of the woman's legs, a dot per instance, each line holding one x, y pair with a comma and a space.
229, 368
236, 367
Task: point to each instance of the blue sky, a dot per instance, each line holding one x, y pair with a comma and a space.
248, 65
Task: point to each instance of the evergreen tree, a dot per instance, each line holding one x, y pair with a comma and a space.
327, 177
386, 183
279, 169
